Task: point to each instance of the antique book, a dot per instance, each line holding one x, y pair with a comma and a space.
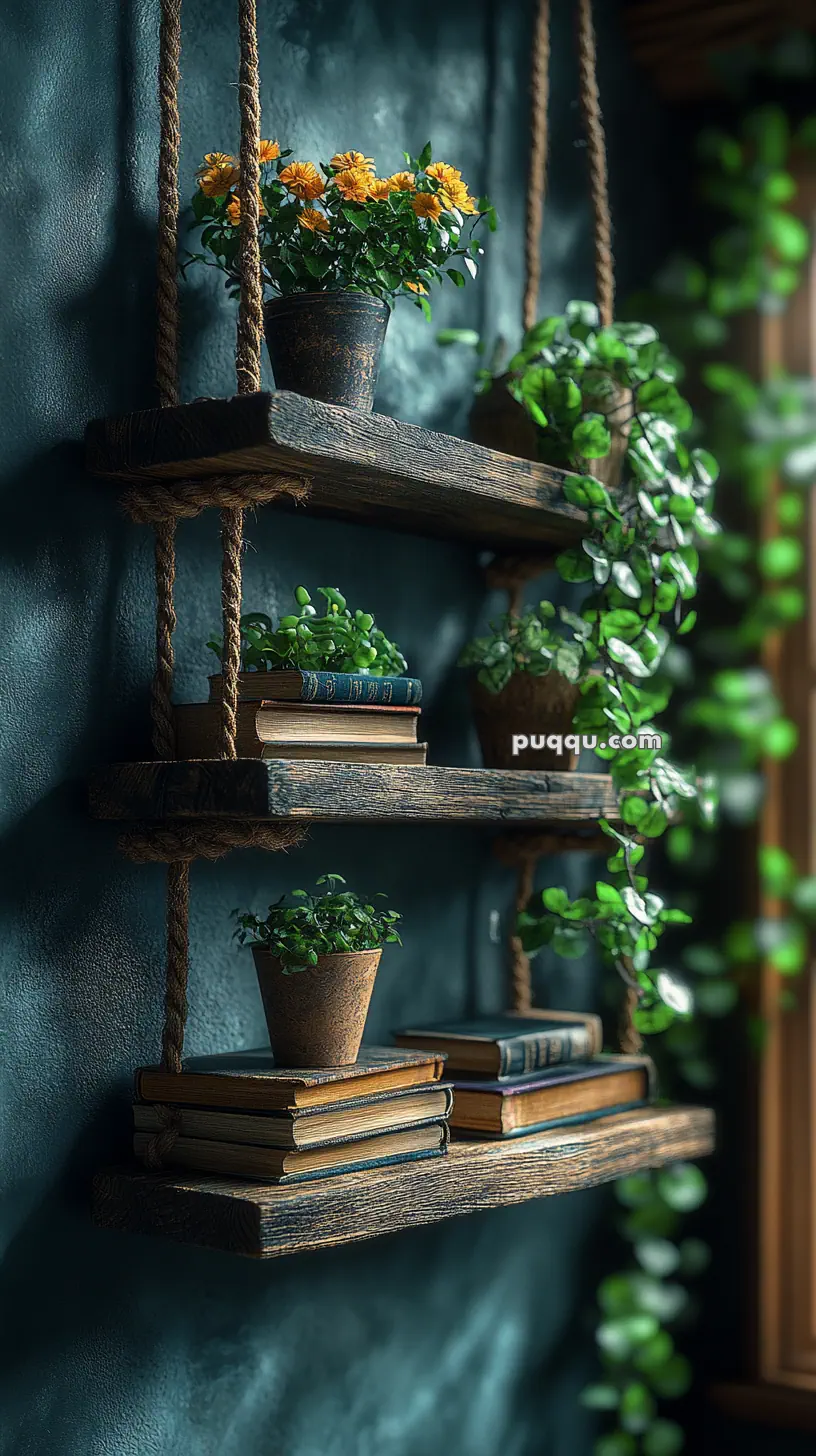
295, 685
409, 755
512, 1043
576, 1093
309, 1127
277, 1165
251, 1081
265, 725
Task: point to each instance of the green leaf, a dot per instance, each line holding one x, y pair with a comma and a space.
600, 1397
658, 1257
456, 277
781, 556
424, 157
356, 216
664, 1438
555, 900
618, 1443
591, 438
683, 1187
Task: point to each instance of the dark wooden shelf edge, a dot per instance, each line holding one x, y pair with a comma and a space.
361, 467
764, 1404
279, 789
260, 1221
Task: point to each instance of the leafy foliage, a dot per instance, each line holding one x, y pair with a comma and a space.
340, 227
523, 643
339, 641
334, 922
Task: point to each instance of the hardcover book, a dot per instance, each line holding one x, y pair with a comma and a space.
511, 1044
304, 686
250, 1081
576, 1093
264, 726
275, 1165
310, 1127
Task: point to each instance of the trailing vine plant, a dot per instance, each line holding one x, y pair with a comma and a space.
608, 396
731, 722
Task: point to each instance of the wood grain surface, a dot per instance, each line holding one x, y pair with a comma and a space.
263, 1222
363, 467
248, 788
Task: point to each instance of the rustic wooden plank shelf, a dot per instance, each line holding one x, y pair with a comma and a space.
264, 1222
362, 467
279, 789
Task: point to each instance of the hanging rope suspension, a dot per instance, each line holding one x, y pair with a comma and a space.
537, 176
598, 177
167, 370
247, 357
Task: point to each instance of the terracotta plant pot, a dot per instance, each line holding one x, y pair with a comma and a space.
316, 1017
539, 706
327, 345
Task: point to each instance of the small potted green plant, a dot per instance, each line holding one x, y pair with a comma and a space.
525, 688
339, 657
338, 245
317, 957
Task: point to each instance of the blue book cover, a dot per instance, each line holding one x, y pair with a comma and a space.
352, 689
511, 1044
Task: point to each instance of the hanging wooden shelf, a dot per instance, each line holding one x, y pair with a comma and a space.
274, 789
263, 1221
361, 467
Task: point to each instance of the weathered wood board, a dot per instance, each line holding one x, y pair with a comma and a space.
248, 788
363, 467
263, 1222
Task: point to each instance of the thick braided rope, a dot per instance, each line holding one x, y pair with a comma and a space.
174, 500
537, 177
521, 977
205, 839
250, 308
167, 332
511, 573
175, 997
232, 540
161, 1144
164, 733
598, 179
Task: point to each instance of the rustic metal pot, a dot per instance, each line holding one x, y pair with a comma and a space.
327, 345
532, 705
316, 1016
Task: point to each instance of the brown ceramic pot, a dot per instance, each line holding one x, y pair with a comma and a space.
526, 705
499, 422
327, 345
316, 1017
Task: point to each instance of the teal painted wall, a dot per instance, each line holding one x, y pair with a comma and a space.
469, 1337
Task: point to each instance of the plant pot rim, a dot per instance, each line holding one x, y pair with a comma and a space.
322, 960
325, 293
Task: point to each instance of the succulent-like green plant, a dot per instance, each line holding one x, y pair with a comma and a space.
339, 641
334, 922
523, 643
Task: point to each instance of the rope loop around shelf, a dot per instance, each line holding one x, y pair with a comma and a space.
165, 500
205, 839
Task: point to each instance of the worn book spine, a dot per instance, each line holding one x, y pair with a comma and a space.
536, 1050
353, 688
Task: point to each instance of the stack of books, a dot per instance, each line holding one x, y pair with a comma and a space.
241, 1116
526, 1072
340, 717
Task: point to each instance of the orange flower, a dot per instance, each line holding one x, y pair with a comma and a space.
354, 184
313, 221
415, 287
455, 194
303, 179
350, 161
216, 181
268, 152
380, 187
444, 172
403, 181
215, 159
234, 209
426, 205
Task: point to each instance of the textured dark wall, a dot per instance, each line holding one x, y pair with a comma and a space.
468, 1337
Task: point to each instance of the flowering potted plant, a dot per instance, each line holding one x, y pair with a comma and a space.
338, 245
316, 961
331, 654
525, 691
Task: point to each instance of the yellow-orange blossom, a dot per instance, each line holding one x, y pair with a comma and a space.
303, 179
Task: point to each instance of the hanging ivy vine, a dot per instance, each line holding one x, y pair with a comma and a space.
728, 722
